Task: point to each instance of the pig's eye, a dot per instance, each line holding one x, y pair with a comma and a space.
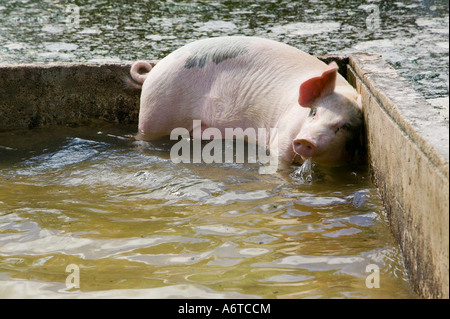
312, 112
347, 127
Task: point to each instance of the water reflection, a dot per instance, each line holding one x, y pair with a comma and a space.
139, 225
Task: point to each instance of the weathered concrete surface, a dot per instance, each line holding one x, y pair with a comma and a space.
40, 94
408, 145
442, 105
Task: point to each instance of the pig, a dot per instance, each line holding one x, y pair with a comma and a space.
251, 82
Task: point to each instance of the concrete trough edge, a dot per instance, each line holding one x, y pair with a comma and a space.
413, 185
414, 115
40, 94
408, 149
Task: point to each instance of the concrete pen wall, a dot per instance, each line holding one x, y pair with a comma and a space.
38, 94
408, 146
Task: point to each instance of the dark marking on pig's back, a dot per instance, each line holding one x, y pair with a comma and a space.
216, 52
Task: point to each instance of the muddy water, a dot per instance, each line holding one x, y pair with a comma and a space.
135, 224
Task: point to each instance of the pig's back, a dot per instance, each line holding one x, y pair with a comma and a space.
228, 81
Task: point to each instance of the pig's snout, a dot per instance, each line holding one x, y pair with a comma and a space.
304, 148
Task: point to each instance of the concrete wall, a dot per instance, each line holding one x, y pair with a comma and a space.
408, 141
36, 94
408, 145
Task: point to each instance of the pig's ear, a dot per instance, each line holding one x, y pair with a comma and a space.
319, 86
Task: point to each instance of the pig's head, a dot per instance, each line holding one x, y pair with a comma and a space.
332, 132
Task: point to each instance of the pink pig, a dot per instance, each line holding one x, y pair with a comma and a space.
248, 82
